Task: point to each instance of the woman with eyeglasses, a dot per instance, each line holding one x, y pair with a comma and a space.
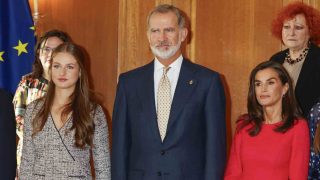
67, 127
35, 84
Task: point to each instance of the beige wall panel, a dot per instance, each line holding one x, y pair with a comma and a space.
188, 6
133, 43
94, 25
232, 37
285, 2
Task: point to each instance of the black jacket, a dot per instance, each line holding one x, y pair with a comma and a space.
7, 137
308, 85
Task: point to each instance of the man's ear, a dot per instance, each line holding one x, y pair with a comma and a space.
183, 34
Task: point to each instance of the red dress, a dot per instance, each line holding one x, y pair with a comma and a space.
270, 155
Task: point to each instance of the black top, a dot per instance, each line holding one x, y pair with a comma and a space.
308, 85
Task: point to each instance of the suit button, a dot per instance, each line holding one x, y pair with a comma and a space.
163, 152
159, 173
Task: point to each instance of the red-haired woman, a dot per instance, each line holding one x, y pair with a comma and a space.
297, 26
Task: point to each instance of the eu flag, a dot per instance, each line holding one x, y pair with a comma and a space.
17, 42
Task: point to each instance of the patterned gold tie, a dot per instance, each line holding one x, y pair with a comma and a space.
164, 102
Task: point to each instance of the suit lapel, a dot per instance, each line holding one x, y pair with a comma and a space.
185, 87
145, 91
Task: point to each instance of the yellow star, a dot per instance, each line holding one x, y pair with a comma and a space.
33, 28
1, 53
21, 48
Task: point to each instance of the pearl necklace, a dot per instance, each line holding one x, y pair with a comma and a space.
301, 57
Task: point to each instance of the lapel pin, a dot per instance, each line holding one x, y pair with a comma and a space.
191, 82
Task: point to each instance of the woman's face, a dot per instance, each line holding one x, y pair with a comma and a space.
65, 71
269, 88
295, 33
46, 50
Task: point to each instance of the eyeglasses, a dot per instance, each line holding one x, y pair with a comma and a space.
47, 50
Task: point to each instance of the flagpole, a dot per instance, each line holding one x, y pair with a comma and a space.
36, 11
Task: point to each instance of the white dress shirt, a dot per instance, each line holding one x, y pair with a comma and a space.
173, 75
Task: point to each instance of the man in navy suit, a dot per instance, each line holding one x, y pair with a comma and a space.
7, 137
191, 143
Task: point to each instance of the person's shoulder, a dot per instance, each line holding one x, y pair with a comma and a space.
98, 114
300, 123
137, 71
199, 68
279, 56
314, 47
314, 55
97, 107
28, 76
38, 103
28, 79
34, 107
202, 72
243, 123
315, 110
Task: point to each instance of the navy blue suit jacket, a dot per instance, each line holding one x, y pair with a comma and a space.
7, 137
195, 144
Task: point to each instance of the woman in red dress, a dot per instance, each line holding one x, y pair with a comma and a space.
272, 140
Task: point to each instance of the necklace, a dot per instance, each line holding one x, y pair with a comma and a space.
301, 57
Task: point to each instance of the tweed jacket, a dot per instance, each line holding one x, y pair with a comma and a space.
51, 153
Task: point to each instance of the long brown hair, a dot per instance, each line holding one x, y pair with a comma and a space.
314, 116
37, 68
316, 141
82, 101
290, 110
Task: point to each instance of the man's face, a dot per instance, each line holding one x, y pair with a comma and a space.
165, 36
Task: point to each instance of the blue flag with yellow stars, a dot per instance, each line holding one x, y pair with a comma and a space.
17, 42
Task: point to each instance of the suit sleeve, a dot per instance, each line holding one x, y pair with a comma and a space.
298, 168
234, 166
120, 135
28, 154
100, 151
20, 103
215, 130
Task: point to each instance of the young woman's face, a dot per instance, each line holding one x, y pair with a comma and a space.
269, 88
65, 71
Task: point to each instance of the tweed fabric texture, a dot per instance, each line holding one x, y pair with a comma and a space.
51, 153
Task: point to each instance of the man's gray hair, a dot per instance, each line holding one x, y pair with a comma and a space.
165, 8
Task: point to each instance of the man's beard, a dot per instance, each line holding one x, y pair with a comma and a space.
165, 54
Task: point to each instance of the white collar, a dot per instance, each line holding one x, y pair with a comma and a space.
176, 64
